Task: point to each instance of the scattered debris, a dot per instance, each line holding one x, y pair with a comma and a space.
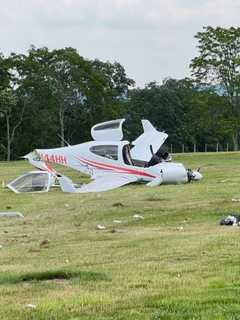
68, 207
231, 220
117, 221
100, 227
138, 216
11, 214
180, 228
30, 306
44, 243
1, 246
118, 204
235, 200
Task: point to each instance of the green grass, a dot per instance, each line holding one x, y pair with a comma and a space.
177, 263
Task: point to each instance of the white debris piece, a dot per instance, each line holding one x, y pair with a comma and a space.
180, 228
31, 306
138, 216
100, 227
11, 214
1, 246
235, 200
117, 221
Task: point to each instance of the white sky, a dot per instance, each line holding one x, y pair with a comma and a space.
152, 39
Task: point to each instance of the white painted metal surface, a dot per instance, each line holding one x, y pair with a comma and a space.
108, 161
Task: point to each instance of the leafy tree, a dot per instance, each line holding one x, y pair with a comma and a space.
218, 63
64, 94
11, 108
163, 105
189, 115
12, 112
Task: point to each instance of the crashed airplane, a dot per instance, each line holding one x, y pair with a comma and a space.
110, 162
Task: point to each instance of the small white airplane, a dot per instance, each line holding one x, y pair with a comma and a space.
108, 160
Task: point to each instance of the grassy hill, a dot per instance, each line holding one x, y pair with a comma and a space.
176, 263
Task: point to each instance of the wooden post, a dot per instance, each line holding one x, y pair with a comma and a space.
182, 148
227, 147
217, 147
194, 147
205, 147
171, 149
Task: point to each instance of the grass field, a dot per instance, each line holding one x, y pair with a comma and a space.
176, 263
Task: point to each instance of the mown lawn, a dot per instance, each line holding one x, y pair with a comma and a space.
176, 263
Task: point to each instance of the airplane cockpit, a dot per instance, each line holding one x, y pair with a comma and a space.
120, 151
127, 155
145, 151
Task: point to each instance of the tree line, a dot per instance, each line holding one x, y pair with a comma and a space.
50, 97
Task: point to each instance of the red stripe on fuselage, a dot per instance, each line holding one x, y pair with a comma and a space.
115, 168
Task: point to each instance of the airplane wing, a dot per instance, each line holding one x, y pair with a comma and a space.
141, 150
100, 183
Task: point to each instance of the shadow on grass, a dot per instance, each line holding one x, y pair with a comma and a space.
157, 199
52, 275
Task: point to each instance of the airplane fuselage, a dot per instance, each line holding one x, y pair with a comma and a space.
89, 159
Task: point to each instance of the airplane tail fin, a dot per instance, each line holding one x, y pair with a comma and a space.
66, 184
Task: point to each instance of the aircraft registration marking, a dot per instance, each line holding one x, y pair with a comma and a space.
55, 158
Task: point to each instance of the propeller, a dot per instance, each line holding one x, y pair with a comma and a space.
194, 175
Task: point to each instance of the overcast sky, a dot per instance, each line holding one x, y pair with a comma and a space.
152, 39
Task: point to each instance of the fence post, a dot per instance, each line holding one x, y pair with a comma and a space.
171, 149
217, 147
182, 148
205, 147
194, 147
227, 147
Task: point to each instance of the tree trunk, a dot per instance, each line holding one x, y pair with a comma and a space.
61, 120
8, 139
235, 141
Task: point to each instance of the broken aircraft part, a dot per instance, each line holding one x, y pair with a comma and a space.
110, 162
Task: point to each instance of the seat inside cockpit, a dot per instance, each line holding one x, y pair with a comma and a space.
126, 155
127, 158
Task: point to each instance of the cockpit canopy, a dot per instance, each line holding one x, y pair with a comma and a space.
106, 130
34, 181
